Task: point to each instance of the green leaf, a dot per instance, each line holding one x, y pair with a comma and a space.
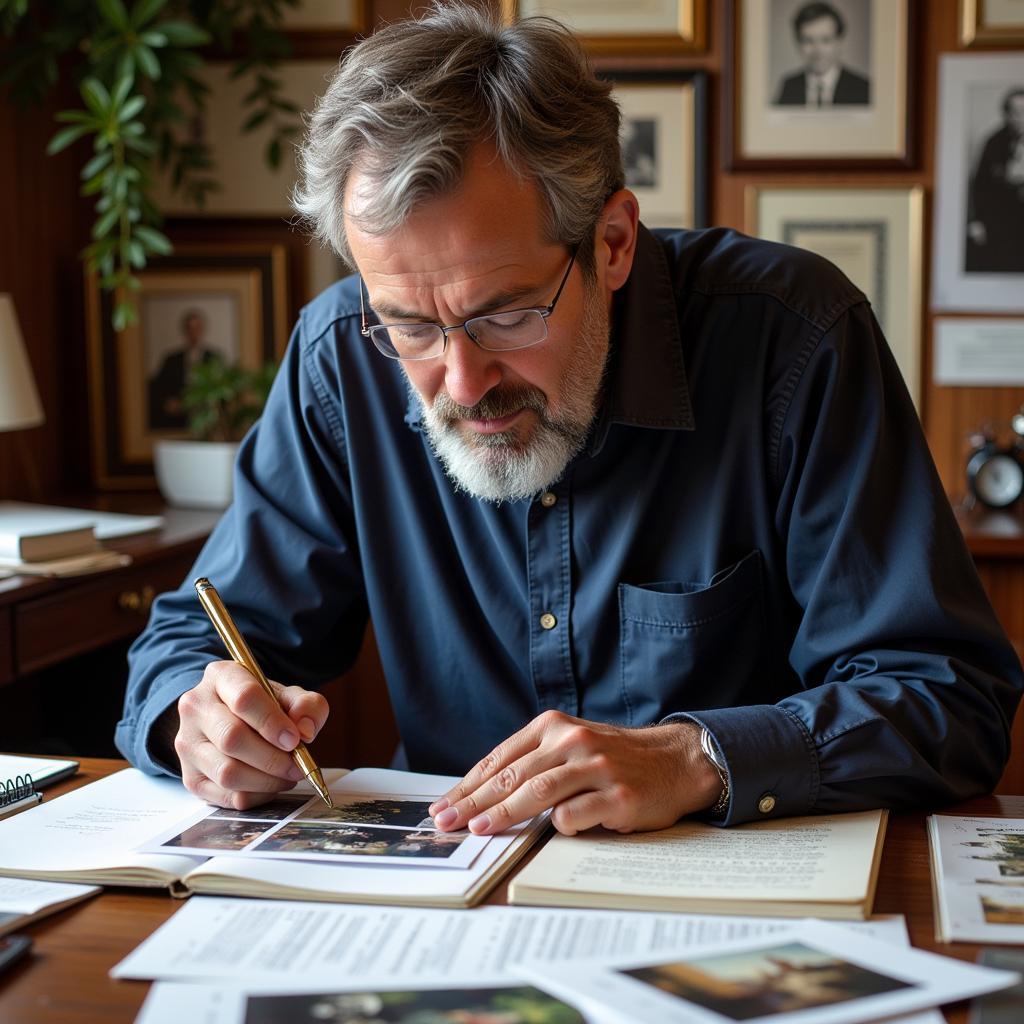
95, 94
77, 117
147, 61
114, 11
97, 163
155, 39
121, 90
182, 33
274, 153
106, 222
145, 11
65, 137
124, 315
154, 241
131, 108
136, 254
255, 120
126, 66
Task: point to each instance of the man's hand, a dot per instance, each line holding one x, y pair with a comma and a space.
233, 741
591, 774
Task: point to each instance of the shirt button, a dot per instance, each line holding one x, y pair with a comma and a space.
547, 499
548, 621
766, 804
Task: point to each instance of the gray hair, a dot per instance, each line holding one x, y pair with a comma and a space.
408, 103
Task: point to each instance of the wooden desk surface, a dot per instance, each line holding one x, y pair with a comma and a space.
64, 981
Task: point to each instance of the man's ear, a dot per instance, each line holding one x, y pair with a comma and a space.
616, 234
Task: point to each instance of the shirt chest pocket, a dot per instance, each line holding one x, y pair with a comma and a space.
689, 646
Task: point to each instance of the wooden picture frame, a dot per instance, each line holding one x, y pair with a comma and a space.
610, 26
319, 29
991, 23
874, 234
864, 120
977, 254
231, 298
665, 143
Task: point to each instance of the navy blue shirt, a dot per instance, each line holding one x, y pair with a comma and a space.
755, 536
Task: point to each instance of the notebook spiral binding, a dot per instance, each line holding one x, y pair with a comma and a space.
16, 789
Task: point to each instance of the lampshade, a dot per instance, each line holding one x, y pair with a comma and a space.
19, 400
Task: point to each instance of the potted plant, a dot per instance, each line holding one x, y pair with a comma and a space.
221, 402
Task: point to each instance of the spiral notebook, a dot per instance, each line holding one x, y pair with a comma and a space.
21, 778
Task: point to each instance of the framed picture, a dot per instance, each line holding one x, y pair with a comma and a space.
819, 84
610, 26
226, 298
324, 28
978, 258
873, 234
664, 144
991, 22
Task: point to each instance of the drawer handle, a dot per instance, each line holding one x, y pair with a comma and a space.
137, 601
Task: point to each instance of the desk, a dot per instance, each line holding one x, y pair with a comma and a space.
65, 980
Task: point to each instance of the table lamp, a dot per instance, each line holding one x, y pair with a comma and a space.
20, 407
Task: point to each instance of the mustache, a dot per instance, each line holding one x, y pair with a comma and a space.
501, 400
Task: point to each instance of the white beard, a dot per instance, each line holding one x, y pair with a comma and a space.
504, 467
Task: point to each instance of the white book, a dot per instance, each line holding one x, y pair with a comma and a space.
105, 525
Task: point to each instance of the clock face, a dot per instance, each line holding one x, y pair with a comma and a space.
999, 480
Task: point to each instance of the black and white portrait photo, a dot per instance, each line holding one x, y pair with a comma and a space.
820, 53
640, 151
995, 200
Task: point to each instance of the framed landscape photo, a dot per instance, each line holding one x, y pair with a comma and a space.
978, 256
873, 234
991, 22
819, 84
225, 299
611, 26
664, 144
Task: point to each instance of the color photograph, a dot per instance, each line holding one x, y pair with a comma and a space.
310, 837
274, 810
394, 811
211, 834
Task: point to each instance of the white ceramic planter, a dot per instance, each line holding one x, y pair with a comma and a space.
195, 474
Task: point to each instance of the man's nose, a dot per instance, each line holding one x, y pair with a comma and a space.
469, 371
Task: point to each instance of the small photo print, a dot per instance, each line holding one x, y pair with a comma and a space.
274, 810
765, 982
395, 811
218, 834
522, 1005
315, 837
996, 910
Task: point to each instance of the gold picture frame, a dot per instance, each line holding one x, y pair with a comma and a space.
986, 23
874, 234
609, 26
320, 29
225, 298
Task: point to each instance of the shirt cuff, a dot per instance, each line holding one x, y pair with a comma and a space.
141, 739
770, 759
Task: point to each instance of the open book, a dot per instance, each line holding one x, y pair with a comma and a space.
823, 866
95, 833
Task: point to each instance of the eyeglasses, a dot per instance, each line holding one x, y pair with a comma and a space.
495, 332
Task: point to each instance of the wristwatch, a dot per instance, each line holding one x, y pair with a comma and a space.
710, 750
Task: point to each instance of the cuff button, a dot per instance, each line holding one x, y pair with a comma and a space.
766, 804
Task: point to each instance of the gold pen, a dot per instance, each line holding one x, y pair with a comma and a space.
239, 651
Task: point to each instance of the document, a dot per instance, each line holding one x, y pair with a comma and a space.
812, 967
23, 900
823, 866
977, 878
250, 948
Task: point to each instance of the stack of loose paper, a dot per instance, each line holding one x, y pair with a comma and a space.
44, 771
23, 901
234, 961
379, 847
977, 878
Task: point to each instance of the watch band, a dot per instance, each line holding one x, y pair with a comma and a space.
710, 750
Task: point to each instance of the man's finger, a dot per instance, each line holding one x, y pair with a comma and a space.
245, 698
306, 708
236, 776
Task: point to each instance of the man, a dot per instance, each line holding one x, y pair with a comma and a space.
645, 524
995, 230
166, 411
824, 82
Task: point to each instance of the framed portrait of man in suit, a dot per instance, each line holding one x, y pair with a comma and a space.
819, 82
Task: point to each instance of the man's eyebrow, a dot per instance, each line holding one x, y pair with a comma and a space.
508, 298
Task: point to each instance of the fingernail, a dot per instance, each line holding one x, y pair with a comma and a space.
481, 823
438, 805
446, 817
308, 728
287, 739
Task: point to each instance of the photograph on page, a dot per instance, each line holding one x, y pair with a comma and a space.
389, 828
815, 967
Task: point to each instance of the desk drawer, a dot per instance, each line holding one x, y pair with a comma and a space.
90, 612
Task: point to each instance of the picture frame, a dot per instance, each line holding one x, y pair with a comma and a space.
874, 234
977, 256
609, 26
991, 23
319, 29
819, 93
231, 298
665, 143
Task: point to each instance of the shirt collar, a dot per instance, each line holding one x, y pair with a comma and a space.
646, 385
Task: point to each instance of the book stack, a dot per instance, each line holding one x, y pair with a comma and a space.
34, 545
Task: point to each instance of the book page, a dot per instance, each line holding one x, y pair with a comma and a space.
826, 858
